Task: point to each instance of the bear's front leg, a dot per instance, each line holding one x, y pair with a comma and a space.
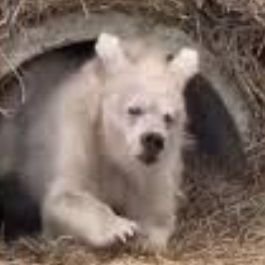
84, 217
156, 215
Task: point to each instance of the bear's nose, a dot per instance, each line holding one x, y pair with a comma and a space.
153, 142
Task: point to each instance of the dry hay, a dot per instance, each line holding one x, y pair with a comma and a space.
220, 225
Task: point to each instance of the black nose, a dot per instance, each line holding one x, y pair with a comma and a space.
153, 142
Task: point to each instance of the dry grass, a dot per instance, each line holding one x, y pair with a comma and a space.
224, 219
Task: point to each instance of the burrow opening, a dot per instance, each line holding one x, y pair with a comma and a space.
218, 151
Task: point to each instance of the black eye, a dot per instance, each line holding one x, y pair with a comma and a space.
168, 119
135, 111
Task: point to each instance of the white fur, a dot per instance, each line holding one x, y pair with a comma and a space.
109, 50
82, 156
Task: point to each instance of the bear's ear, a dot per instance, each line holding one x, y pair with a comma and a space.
109, 50
185, 64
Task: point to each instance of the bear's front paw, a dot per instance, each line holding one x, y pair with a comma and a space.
153, 241
120, 230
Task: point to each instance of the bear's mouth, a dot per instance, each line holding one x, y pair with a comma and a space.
148, 158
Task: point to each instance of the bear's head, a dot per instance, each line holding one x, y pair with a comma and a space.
143, 109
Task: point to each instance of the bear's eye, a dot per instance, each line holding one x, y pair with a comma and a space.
168, 119
135, 111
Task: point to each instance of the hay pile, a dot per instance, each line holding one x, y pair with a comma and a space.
232, 232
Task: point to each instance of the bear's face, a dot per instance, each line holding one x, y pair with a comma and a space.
144, 114
143, 110
149, 122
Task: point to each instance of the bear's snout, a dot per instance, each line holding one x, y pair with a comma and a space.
152, 142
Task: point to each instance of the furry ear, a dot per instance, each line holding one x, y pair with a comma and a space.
185, 63
109, 50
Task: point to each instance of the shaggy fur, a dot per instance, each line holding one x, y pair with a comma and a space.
102, 154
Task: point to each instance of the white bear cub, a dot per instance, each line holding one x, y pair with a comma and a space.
113, 161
